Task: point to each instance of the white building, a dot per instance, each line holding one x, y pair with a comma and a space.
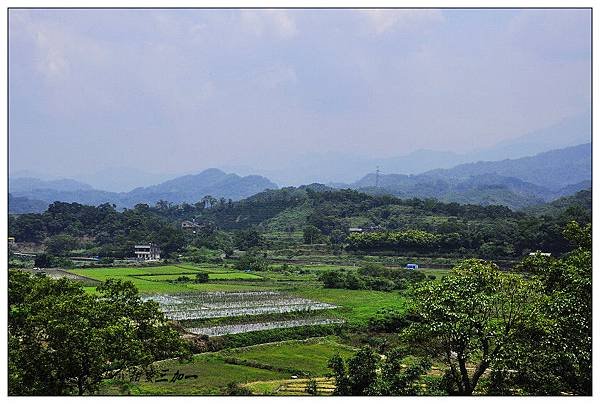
147, 252
186, 224
543, 254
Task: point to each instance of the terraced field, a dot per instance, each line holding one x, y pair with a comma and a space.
266, 369
243, 309
157, 280
232, 304
291, 387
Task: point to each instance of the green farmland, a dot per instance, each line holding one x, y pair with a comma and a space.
354, 306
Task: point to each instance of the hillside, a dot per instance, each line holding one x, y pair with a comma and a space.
285, 214
189, 188
28, 184
483, 189
19, 204
554, 169
581, 200
515, 183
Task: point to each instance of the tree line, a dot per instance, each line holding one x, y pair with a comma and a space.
527, 332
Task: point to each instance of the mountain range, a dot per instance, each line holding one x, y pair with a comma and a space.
516, 183
188, 188
337, 167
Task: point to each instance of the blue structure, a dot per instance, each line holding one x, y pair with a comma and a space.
411, 266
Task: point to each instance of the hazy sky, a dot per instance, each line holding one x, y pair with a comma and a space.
181, 90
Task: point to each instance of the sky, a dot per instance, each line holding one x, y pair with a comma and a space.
173, 91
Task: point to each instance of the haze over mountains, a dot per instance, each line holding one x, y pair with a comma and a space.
516, 183
189, 188
528, 170
328, 167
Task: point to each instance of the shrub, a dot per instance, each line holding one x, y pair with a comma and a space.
234, 389
251, 262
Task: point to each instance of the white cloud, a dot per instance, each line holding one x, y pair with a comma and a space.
59, 51
552, 32
385, 20
268, 22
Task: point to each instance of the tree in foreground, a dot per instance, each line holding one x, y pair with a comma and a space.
368, 373
62, 340
472, 318
555, 358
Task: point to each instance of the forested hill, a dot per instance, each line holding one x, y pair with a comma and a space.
189, 188
517, 183
326, 215
553, 170
581, 201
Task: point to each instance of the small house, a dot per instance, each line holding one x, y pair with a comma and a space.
189, 224
147, 252
411, 266
543, 254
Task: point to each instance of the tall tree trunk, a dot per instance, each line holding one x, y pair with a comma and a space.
80, 386
465, 381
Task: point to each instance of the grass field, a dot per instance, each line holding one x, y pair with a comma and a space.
271, 363
293, 387
212, 374
215, 276
264, 368
150, 280
310, 356
355, 306
438, 273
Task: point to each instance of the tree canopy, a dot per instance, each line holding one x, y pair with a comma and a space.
62, 340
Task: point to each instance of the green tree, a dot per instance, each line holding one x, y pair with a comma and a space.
397, 378
251, 262
42, 260
201, 277
472, 317
357, 376
63, 340
247, 239
61, 244
312, 234
333, 279
366, 373
557, 356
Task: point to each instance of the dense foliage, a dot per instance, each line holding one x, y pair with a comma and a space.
369, 374
410, 226
529, 331
371, 276
62, 340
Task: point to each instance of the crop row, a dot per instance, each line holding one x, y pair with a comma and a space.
221, 304
241, 328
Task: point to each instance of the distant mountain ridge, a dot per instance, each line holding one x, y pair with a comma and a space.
338, 167
25, 184
189, 188
516, 183
21, 204
552, 169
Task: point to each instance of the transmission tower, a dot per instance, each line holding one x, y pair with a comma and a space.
377, 177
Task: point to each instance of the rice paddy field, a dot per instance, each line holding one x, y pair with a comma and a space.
253, 307
266, 369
